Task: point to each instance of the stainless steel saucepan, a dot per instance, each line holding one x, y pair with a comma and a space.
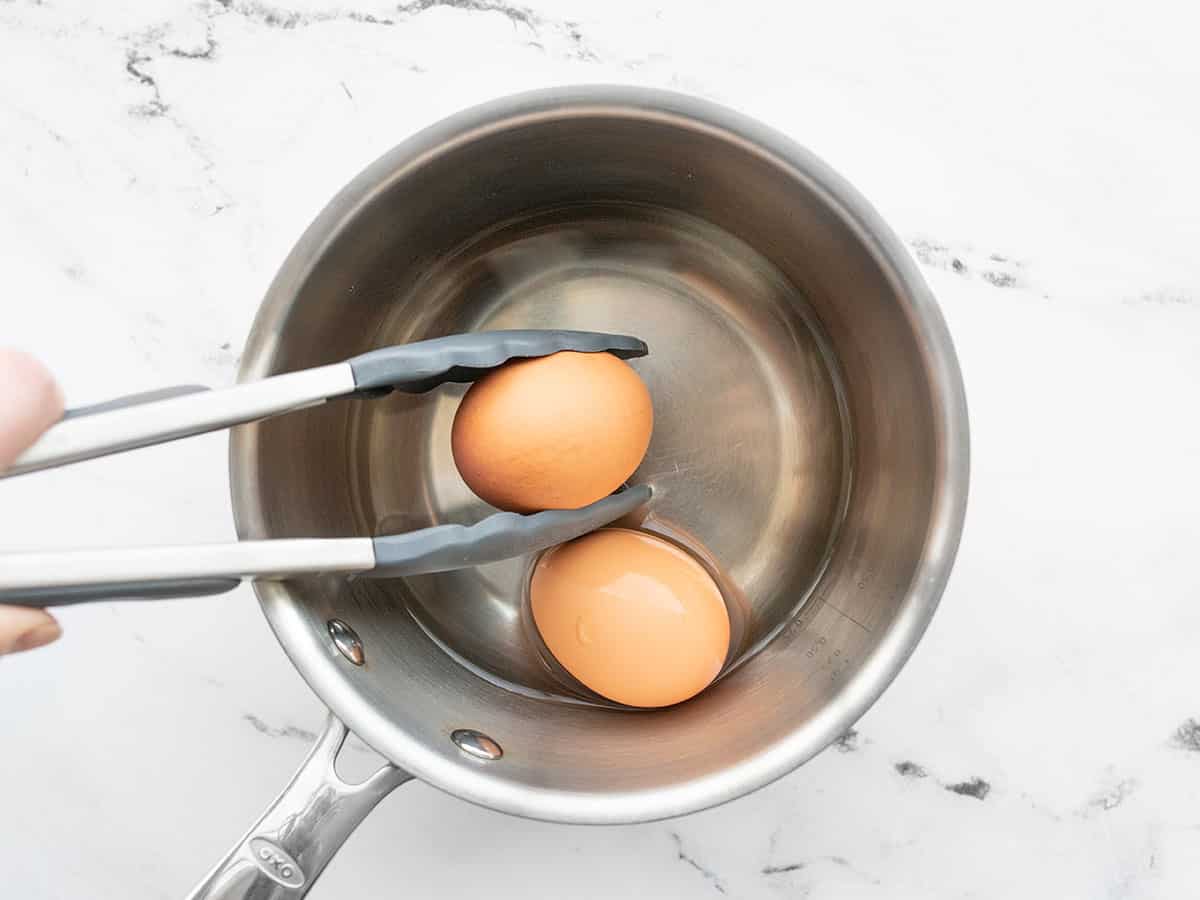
810, 434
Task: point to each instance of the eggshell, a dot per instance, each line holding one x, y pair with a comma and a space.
631, 616
557, 432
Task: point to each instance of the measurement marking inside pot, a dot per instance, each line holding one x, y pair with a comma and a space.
846, 615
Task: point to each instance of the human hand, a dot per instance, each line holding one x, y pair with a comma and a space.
30, 402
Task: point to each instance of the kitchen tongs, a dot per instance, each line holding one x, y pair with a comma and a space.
78, 576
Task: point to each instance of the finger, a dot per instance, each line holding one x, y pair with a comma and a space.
24, 629
30, 402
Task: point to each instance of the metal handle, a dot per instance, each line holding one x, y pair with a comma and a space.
166, 415
159, 589
287, 849
59, 578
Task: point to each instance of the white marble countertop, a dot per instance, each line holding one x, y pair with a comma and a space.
157, 160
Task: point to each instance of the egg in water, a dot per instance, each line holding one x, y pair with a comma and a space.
556, 432
631, 616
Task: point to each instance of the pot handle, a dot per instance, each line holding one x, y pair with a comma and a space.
287, 849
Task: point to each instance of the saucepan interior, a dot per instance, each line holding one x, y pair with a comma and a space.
810, 440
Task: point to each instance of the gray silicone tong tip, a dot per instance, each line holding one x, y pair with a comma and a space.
500, 536
458, 358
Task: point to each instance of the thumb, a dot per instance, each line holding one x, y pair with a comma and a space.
24, 629
30, 402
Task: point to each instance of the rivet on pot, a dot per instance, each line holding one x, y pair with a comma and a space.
346, 641
476, 744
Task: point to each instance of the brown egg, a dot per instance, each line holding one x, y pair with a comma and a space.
631, 616
557, 432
